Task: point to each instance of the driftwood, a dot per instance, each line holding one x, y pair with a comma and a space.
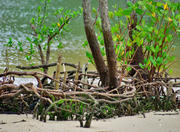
94, 90
34, 74
90, 97
72, 91
44, 66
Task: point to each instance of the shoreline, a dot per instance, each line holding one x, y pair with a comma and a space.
154, 121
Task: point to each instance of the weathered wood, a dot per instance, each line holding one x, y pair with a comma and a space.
36, 67
58, 72
34, 74
45, 66
65, 76
92, 97
71, 91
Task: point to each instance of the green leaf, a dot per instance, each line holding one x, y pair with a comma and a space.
60, 45
170, 71
139, 11
39, 8
20, 46
159, 4
85, 44
111, 14
130, 4
32, 20
138, 27
159, 60
127, 11
39, 36
10, 42
141, 65
29, 39
157, 49
28, 57
153, 49
102, 51
89, 55
128, 68
152, 60
60, 101
148, 48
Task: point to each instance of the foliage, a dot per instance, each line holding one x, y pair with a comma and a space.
156, 29
48, 28
157, 33
69, 109
65, 109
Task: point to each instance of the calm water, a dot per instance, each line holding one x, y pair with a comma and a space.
14, 22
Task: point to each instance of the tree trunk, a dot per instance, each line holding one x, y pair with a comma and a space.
42, 58
93, 43
109, 45
138, 56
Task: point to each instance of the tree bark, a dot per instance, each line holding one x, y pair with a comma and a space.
93, 43
109, 45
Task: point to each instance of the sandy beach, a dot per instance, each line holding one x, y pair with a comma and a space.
153, 122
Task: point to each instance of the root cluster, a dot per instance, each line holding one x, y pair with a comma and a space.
80, 97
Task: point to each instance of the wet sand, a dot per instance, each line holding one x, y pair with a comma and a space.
154, 122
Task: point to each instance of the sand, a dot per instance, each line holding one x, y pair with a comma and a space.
154, 122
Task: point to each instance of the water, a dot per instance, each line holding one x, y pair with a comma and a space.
14, 22
15, 16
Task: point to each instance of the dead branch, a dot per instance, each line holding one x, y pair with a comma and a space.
44, 66
34, 74
73, 91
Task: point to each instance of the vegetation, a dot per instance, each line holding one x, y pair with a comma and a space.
45, 33
131, 58
143, 35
